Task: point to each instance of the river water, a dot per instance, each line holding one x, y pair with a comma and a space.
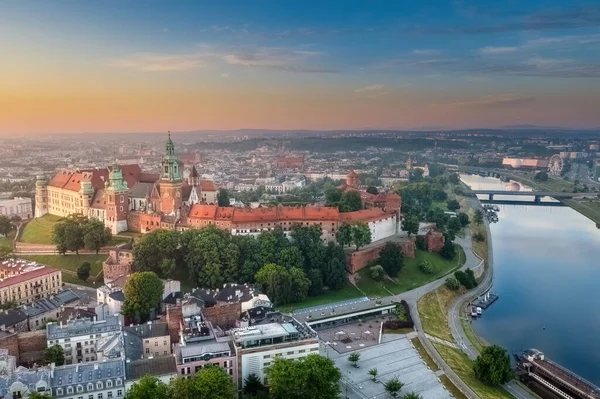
547, 275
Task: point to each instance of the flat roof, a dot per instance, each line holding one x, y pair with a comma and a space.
361, 305
262, 331
203, 348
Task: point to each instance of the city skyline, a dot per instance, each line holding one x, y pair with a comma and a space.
152, 66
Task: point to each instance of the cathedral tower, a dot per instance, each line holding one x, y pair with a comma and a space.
171, 180
117, 200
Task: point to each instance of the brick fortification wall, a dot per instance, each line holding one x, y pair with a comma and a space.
359, 259
174, 321
10, 341
31, 346
434, 241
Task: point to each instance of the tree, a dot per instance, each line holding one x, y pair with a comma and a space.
453, 205
376, 272
148, 387
454, 178
38, 395
452, 283
439, 195
391, 258
344, 235
143, 291
316, 282
361, 234
350, 201
372, 190
478, 216
492, 366
463, 218
291, 257
253, 386
354, 358
466, 278
150, 251
212, 382
83, 271
393, 386
332, 194
412, 395
283, 286
223, 197
167, 267
6, 225
54, 354
68, 236
479, 237
453, 227
95, 235
541, 176
416, 176
5, 252
426, 267
312, 377
448, 250
373, 374
410, 224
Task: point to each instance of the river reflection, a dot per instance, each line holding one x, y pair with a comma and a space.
547, 274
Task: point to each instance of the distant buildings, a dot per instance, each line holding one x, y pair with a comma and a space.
517, 163
20, 207
24, 282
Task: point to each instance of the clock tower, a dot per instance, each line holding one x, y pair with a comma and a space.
171, 180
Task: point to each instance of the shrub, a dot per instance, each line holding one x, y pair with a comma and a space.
452, 283
479, 237
376, 272
426, 267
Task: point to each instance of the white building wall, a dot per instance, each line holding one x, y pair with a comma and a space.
384, 228
257, 362
16, 207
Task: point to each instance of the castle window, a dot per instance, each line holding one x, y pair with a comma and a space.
122, 198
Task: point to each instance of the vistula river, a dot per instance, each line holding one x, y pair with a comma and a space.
547, 274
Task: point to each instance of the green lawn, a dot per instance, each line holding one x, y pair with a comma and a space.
39, 231
70, 262
7, 241
433, 311
115, 240
348, 291
410, 276
463, 366
442, 205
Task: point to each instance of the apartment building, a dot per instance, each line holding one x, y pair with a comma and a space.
24, 282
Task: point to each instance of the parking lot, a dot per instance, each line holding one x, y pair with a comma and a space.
397, 358
351, 337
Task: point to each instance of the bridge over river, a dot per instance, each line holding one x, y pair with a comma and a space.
538, 195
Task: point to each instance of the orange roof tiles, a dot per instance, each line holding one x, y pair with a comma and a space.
224, 213
207, 185
71, 179
321, 213
201, 211
60, 178
242, 215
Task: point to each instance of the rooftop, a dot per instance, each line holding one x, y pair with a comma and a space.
201, 349
82, 373
38, 272
161, 365
148, 330
272, 333
82, 327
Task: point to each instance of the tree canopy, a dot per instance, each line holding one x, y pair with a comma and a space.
83, 271
6, 225
492, 366
410, 224
77, 232
312, 377
350, 201
54, 354
283, 285
223, 197
95, 235
149, 387
143, 291
391, 258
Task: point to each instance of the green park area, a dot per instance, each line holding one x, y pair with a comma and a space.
433, 311
348, 291
463, 366
410, 275
39, 230
69, 264
7, 241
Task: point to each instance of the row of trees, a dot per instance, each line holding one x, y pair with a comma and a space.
357, 234
77, 232
211, 257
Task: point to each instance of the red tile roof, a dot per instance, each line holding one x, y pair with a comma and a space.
207, 185
27, 276
201, 211
242, 215
365, 215
71, 179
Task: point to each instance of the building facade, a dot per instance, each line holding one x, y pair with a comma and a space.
79, 337
20, 207
155, 338
94, 380
27, 282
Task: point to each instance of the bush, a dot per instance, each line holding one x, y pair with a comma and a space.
376, 272
426, 267
479, 237
466, 278
452, 283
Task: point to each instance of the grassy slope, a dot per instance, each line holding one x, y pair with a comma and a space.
433, 310
39, 231
463, 366
348, 291
7, 241
410, 276
70, 262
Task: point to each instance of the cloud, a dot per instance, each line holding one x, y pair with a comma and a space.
282, 59
550, 19
369, 89
277, 58
501, 100
426, 52
153, 62
225, 75
491, 50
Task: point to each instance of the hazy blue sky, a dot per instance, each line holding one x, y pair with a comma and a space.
118, 66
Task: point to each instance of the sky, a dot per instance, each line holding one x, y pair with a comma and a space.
150, 66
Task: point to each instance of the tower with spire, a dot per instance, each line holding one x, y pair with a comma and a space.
117, 200
171, 180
